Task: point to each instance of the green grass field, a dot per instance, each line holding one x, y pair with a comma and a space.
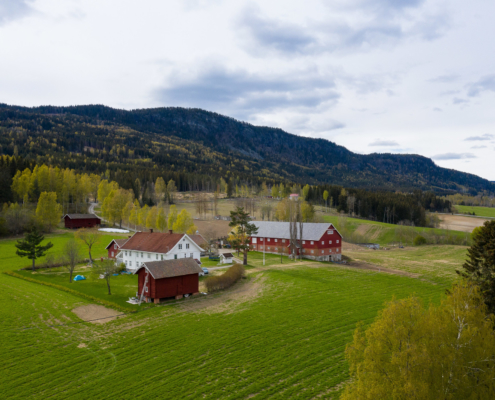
280, 334
384, 234
478, 211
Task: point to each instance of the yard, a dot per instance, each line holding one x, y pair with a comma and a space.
279, 334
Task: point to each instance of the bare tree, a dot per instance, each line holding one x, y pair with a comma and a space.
71, 254
106, 268
89, 237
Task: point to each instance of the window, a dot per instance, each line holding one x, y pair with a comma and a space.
261, 247
329, 242
253, 240
312, 251
268, 247
157, 256
112, 253
149, 255
146, 289
304, 242
162, 257
268, 239
322, 242
276, 240
126, 262
323, 251
330, 232
337, 241
330, 250
130, 263
261, 239
126, 253
180, 246
175, 256
115, 246
142, 255
312, 242
192, 255
187, 245
130, 253
337, 250
283, 241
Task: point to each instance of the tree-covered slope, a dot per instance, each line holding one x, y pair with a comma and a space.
193, 140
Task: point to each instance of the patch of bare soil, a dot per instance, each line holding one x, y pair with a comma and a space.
214, 228
353, 247
229, 300
371, 267
460, 223
96, 314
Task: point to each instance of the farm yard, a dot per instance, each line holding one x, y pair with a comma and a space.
280, 333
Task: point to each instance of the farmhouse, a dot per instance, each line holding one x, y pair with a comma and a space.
75, 221
114, 247
320, 241
168, 279
156, 246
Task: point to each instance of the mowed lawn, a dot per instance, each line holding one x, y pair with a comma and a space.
279, 334
479, 211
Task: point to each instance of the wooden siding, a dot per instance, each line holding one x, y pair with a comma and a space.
168, 287
81, 223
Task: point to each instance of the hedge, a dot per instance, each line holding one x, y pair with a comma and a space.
71, 291
227, 279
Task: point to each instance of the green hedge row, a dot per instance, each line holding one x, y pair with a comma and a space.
227, 279
74, 292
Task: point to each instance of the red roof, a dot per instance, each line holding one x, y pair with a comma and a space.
198, 239
153, 242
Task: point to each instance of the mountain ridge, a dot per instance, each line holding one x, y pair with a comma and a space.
291, 157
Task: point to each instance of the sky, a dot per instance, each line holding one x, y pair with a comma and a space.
375, 76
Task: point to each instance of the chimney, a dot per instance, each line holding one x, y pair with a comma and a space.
151, 230
170, 231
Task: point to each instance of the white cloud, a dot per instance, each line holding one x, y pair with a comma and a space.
453, 156
384, 143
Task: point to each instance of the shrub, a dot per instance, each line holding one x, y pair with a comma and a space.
227, 279
419, 240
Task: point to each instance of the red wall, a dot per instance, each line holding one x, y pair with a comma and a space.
317, 245
114, 250
81, 223
168, 287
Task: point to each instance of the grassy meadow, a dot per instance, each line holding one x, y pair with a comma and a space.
279, 334
478, 211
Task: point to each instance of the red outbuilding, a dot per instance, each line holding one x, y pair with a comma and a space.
75, 221
114, 247
168, 279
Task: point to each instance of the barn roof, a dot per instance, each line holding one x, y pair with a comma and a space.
281, 230
81, 216
120, 242
153, 242
171, 268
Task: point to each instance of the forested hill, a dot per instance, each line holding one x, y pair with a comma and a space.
98, 138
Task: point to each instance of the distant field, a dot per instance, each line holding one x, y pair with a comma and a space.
479, 211
384, 234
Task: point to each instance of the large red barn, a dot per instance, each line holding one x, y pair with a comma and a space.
75, 221
168, 279
320, 241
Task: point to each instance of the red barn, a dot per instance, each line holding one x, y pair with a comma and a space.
114, 247
320, 241
168, 279
75, 221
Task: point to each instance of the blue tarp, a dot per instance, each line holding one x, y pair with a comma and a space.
79, 278
115, 274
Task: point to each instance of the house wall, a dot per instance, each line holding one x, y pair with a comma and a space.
168, 287
81, 223
328, 247
186, 248
113, 250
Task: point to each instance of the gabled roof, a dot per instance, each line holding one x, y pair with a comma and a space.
227, 255
81, 216
120, 242
153, 242
281, 230
171, 268
198, 239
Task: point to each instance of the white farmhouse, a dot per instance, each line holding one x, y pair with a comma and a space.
156, 246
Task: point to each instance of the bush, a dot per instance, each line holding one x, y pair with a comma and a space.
419, 240
227, 279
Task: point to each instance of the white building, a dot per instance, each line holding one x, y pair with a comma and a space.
156, 246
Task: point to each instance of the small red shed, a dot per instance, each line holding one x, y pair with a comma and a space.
75, 221
168, 279
114, 247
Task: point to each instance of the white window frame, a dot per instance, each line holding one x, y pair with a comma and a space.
162, 256
330, 232
192, 255
253, 240
187, 245
142, 255
312, 242
323, 252
283, 241
312, 251
149, 255
322, 242
337, 242
329, 242
304, 242
268, 239
115, 246
180, 246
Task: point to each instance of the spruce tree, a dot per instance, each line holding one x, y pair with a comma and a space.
480, 265
30, 246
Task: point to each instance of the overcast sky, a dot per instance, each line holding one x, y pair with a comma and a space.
399, 76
